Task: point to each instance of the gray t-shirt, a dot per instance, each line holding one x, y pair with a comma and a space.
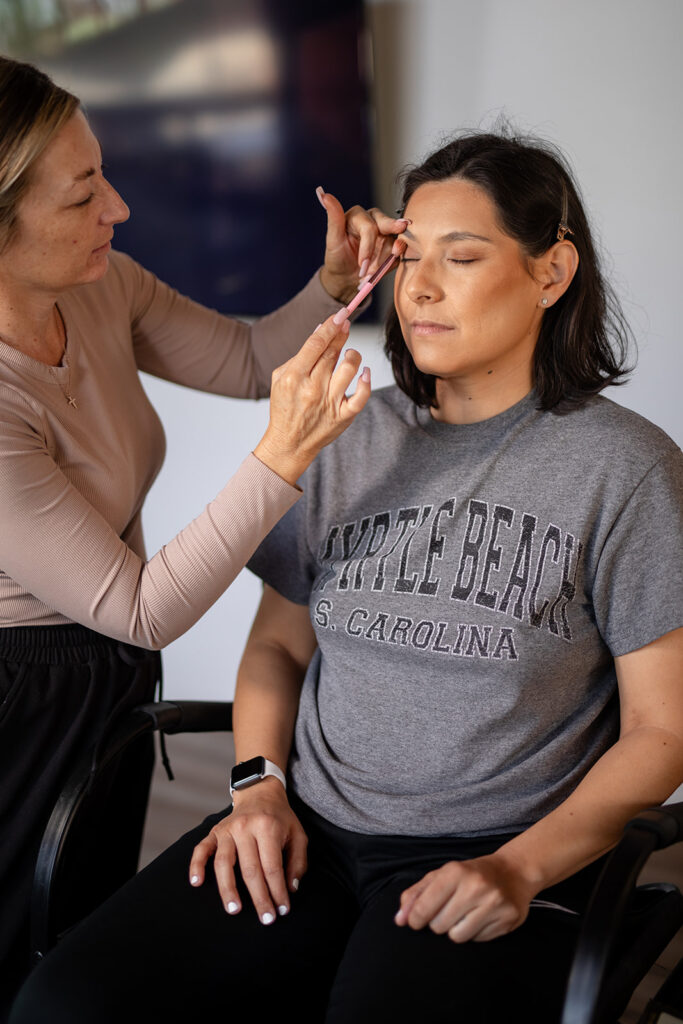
469, 587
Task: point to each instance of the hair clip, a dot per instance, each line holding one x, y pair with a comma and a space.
563, 228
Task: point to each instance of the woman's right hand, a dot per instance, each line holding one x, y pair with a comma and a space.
308, 402
267, 839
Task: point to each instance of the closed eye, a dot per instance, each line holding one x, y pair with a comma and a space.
415, 259
84, 202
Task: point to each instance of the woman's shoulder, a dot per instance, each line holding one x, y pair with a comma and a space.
615, 432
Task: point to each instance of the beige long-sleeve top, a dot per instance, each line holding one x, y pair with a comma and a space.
73, 478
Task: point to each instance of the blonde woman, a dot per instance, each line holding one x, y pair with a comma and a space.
83, 611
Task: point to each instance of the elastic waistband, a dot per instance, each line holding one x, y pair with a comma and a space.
63, 643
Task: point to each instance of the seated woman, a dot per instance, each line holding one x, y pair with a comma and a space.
467, 660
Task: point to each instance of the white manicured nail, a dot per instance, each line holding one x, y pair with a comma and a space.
232, 907
194, 880
267, 918
282, 910
295, 884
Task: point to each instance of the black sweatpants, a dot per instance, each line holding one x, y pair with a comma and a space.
161, 950
61, 688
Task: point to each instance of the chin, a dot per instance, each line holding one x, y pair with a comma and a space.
97, 269
435, 368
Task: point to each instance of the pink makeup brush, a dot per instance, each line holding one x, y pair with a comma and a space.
366, 289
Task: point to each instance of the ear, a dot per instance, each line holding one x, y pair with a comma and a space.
555, 270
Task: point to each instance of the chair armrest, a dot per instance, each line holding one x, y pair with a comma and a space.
161, 716
666, 822
652, 829
189, 715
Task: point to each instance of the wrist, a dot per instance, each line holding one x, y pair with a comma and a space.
288, 465
526, 870
270, 789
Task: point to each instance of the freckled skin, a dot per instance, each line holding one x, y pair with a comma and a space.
62, 241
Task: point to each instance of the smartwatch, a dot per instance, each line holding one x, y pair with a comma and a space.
246, 773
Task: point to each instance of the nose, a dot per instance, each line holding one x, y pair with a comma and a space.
421, 281
115, 210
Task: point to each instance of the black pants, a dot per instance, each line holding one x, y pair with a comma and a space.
162, 950
61, 688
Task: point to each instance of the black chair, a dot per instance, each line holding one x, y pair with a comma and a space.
625, 929
51, 914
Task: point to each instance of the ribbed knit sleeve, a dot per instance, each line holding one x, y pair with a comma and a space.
178, 340
60, 554
74, 474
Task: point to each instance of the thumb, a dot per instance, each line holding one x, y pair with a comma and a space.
407, 901
336, 218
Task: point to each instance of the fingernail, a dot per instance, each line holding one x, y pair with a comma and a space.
282, 910
403, 220
295, 884
232, 907
365, 375
364, 268
320, 192
317, 328
267, 918
363, 280
194, 880
341, 316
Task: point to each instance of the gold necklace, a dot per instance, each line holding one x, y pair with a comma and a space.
65, 389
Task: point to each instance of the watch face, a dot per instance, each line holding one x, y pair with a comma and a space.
246, 772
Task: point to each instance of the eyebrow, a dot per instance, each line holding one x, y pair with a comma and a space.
84, 175
452, 236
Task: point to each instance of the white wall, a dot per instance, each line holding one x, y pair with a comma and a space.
604, 79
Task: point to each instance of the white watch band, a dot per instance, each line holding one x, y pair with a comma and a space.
272, 769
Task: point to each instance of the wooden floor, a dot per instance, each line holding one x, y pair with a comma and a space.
201, 765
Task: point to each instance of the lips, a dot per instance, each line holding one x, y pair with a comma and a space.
429, 327
105, 246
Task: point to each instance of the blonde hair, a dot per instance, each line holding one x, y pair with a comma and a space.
32, 110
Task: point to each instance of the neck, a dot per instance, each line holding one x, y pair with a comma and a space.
480, 398
33, 325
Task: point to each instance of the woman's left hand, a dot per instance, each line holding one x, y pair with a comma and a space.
357, 242
473, 900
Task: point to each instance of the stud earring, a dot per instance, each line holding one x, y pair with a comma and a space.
544, 301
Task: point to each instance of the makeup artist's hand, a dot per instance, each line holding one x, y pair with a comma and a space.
357, 242
308, 402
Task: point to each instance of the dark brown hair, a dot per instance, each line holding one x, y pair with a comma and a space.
32, 110
584, 338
